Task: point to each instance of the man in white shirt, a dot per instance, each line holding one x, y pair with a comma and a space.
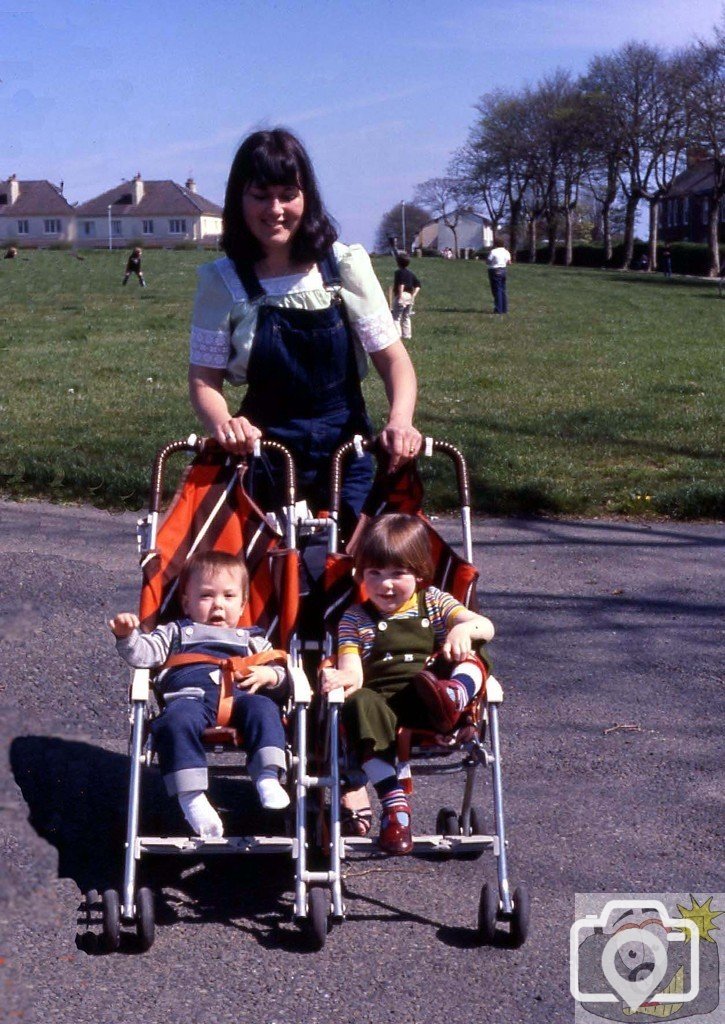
498, 259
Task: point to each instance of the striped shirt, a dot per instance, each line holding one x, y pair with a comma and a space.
356, 632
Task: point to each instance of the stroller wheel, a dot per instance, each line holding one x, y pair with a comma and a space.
447, 822
317, 920
145, 919
475, 828
111, 920
487, 914
520, 915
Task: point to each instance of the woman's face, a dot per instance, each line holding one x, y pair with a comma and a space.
273, 214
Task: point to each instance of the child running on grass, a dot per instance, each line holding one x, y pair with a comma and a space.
383, 648
214, 588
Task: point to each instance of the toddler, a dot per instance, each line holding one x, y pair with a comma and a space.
383, 647
214, 588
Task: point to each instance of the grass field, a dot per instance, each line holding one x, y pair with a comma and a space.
600, 393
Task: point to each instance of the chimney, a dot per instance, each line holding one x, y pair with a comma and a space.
695, 155
13, 188
190, 185
137, 187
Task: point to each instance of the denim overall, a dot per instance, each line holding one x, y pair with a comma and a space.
388, 698
303, 390
177, 731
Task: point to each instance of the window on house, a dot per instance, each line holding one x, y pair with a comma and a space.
686, 210
23, 227
51, 226
177, 226
116, 228
88, 227
148, 227
705, 209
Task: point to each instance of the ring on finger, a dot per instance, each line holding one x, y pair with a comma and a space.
229, 435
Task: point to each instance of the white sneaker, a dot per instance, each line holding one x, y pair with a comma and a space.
272, 795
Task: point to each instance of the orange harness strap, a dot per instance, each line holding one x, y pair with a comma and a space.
229, 668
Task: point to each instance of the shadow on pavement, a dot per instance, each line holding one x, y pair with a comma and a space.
77, 798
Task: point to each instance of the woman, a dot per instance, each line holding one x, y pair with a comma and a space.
291, 313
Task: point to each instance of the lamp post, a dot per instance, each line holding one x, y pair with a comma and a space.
402, 217
110, 239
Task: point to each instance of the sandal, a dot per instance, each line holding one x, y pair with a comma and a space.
356, 823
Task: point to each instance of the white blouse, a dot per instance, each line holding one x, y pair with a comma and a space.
224, 320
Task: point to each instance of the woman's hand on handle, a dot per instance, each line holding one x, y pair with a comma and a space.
401, 443
234, 433
237, 434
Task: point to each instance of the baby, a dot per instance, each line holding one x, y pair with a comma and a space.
214, 588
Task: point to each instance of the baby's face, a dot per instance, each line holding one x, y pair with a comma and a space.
214, 597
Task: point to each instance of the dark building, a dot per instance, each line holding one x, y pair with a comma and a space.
685, 207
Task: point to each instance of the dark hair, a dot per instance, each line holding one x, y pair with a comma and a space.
275, 157
396, 539
402, 259
498, 241
212, 562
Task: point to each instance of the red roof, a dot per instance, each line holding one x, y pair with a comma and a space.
160, 198
35, 199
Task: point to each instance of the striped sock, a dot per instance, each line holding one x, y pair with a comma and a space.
392, 798
466, 681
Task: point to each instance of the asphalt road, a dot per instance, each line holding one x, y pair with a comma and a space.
599, 624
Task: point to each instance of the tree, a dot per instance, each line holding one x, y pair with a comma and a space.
443, 197
706, 94
391, 225
632, 77
497, 159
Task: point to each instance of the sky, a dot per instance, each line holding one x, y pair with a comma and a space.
382, 92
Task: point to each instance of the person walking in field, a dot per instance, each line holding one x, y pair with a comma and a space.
405, 289
133, 266
498, 259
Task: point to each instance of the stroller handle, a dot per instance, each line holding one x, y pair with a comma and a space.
197, 444
374, 445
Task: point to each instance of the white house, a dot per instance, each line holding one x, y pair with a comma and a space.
472, 231
34, 213
152, 213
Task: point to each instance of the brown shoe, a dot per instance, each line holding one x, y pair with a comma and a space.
443, 711
395, 838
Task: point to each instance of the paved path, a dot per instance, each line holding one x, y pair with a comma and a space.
599, 623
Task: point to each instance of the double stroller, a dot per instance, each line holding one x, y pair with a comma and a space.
212, 511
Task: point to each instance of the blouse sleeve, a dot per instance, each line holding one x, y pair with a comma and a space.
210, 342
365, 300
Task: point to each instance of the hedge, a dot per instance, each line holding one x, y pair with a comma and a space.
687, 257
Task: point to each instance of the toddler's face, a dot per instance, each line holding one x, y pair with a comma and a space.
390, 587
214, 598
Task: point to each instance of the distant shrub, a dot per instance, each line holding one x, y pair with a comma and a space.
59, 246
429, 251
186, 247
691, 258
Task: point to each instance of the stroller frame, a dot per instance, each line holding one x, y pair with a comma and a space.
135, 906
457, 835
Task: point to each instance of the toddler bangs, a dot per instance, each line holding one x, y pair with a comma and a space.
396, 540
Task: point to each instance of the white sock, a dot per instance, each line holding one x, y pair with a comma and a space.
200, 814
272, 794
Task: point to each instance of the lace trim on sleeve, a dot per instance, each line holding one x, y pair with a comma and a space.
376, 332
209, 348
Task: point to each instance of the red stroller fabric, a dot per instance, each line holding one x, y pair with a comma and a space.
212, 511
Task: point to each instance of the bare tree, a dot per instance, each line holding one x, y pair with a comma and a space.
443, 197
631, 77
498, 158
391, 224
706, 92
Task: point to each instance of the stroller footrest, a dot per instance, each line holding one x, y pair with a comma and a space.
444, 845
228, 844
